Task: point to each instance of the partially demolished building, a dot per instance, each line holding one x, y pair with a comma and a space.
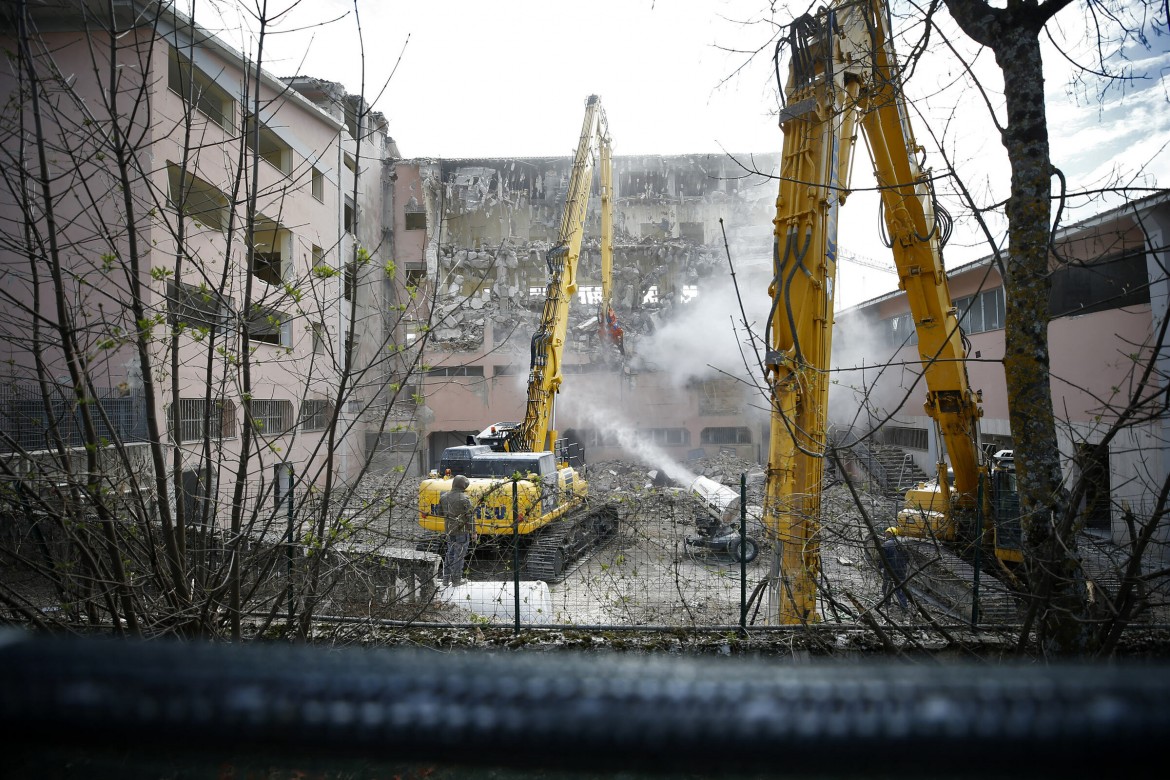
470, 236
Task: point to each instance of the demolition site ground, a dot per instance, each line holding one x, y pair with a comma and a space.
644, 590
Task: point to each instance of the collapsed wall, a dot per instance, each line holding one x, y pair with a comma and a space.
681, 224
500, 217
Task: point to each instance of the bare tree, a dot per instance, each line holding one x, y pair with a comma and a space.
1013, 34
1052, 504
199, 343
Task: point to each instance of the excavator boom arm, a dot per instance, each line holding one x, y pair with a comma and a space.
538, 432
843, 76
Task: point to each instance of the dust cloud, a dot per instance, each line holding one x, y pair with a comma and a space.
610, 424
705, 337
859, 353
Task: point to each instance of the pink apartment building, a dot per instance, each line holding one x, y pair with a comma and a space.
188, 237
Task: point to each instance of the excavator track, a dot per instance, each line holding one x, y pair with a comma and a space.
950, 582
563, 543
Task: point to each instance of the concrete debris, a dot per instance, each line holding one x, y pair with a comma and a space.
502, 280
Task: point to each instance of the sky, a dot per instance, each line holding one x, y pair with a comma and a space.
500, 78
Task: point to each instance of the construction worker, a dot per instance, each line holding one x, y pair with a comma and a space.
895, 566
459, 527
612, 331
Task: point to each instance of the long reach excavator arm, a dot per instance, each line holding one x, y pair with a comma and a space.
538, 432
844, 76
522, 482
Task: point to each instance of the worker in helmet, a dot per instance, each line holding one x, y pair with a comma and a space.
895, 566
459, 528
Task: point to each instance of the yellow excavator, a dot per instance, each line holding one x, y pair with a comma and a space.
844, 76
550, 513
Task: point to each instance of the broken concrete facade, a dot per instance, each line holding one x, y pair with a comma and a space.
473, 234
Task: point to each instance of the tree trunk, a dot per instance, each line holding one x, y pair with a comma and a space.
1059, 603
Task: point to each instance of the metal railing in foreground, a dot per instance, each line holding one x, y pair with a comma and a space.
565, 710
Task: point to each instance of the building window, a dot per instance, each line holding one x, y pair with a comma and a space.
1093, 464
353, 345
196, 308
195, 198
272, 416
658, 230
350, 281
268, 256
591, 437
901, 332
456, 371
200, 90
282, 487
195, 491
349, 216
982, 312
270, 147
403, 440
415, 278
319, 336
665, 436
691, 231
193, 422
315, 415
269, 326
318, 185
725, 435
351, 119
416, 220
1111, 283
721, 396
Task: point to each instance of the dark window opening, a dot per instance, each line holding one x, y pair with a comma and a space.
267, 266
282, 486
315, 415
1094, 466
196, 307
691, 231
725, 435
1107, 284
268, 326
197, 199
416, 220
350, 281
318, 185
319, 334
200, 90
665, 436
195, 492
349, 216
456, 371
